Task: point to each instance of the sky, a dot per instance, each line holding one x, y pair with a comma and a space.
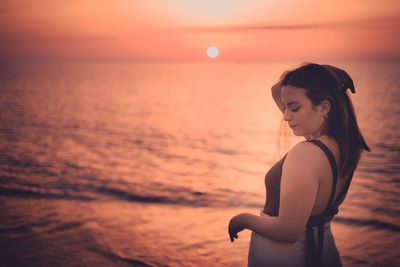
182, 30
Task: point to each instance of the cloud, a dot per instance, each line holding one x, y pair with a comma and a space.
252, 28
383, 22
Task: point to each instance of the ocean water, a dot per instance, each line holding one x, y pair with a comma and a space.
143, 164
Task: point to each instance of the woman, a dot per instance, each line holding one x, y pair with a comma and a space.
305, 188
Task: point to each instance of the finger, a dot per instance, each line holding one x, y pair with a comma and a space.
236, 236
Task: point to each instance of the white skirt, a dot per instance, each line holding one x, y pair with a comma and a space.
266, 252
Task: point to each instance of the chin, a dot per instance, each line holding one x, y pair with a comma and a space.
297, 133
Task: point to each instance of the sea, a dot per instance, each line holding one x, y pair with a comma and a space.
144, 163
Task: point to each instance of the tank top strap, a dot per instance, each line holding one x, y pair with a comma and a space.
313, 254
343, 192
332, 161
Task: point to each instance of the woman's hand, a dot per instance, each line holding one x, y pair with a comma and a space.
276, 95
235, 226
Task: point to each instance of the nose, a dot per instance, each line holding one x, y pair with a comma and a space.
287, 116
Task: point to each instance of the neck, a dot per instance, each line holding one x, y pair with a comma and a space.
314, 136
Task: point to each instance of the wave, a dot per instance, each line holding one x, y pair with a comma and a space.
368, 222
24, 193
114, 256
181, 196
194, 198
66, 226
172, 196
124, 195
81, 186
388, 147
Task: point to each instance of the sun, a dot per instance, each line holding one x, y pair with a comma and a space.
212, 51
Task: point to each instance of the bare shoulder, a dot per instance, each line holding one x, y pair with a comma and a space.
305, 157
303, 149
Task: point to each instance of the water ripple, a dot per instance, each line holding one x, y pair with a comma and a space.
371, 222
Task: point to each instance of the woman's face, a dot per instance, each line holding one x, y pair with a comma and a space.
303, 118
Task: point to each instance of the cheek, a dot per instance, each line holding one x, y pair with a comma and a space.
308, 119
315, 122
302, 116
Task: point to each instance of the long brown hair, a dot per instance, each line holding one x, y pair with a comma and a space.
321, 84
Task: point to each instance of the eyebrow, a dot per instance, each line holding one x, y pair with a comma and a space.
291, 103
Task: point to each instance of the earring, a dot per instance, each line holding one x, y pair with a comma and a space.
324, 121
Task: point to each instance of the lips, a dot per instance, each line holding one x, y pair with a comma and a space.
292, 126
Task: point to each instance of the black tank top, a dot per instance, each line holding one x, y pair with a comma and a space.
272, 183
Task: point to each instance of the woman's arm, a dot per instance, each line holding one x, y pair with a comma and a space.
276, 95
299, 186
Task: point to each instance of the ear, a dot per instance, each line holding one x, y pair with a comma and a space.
324, 107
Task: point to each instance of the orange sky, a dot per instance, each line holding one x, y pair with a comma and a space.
182, 30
